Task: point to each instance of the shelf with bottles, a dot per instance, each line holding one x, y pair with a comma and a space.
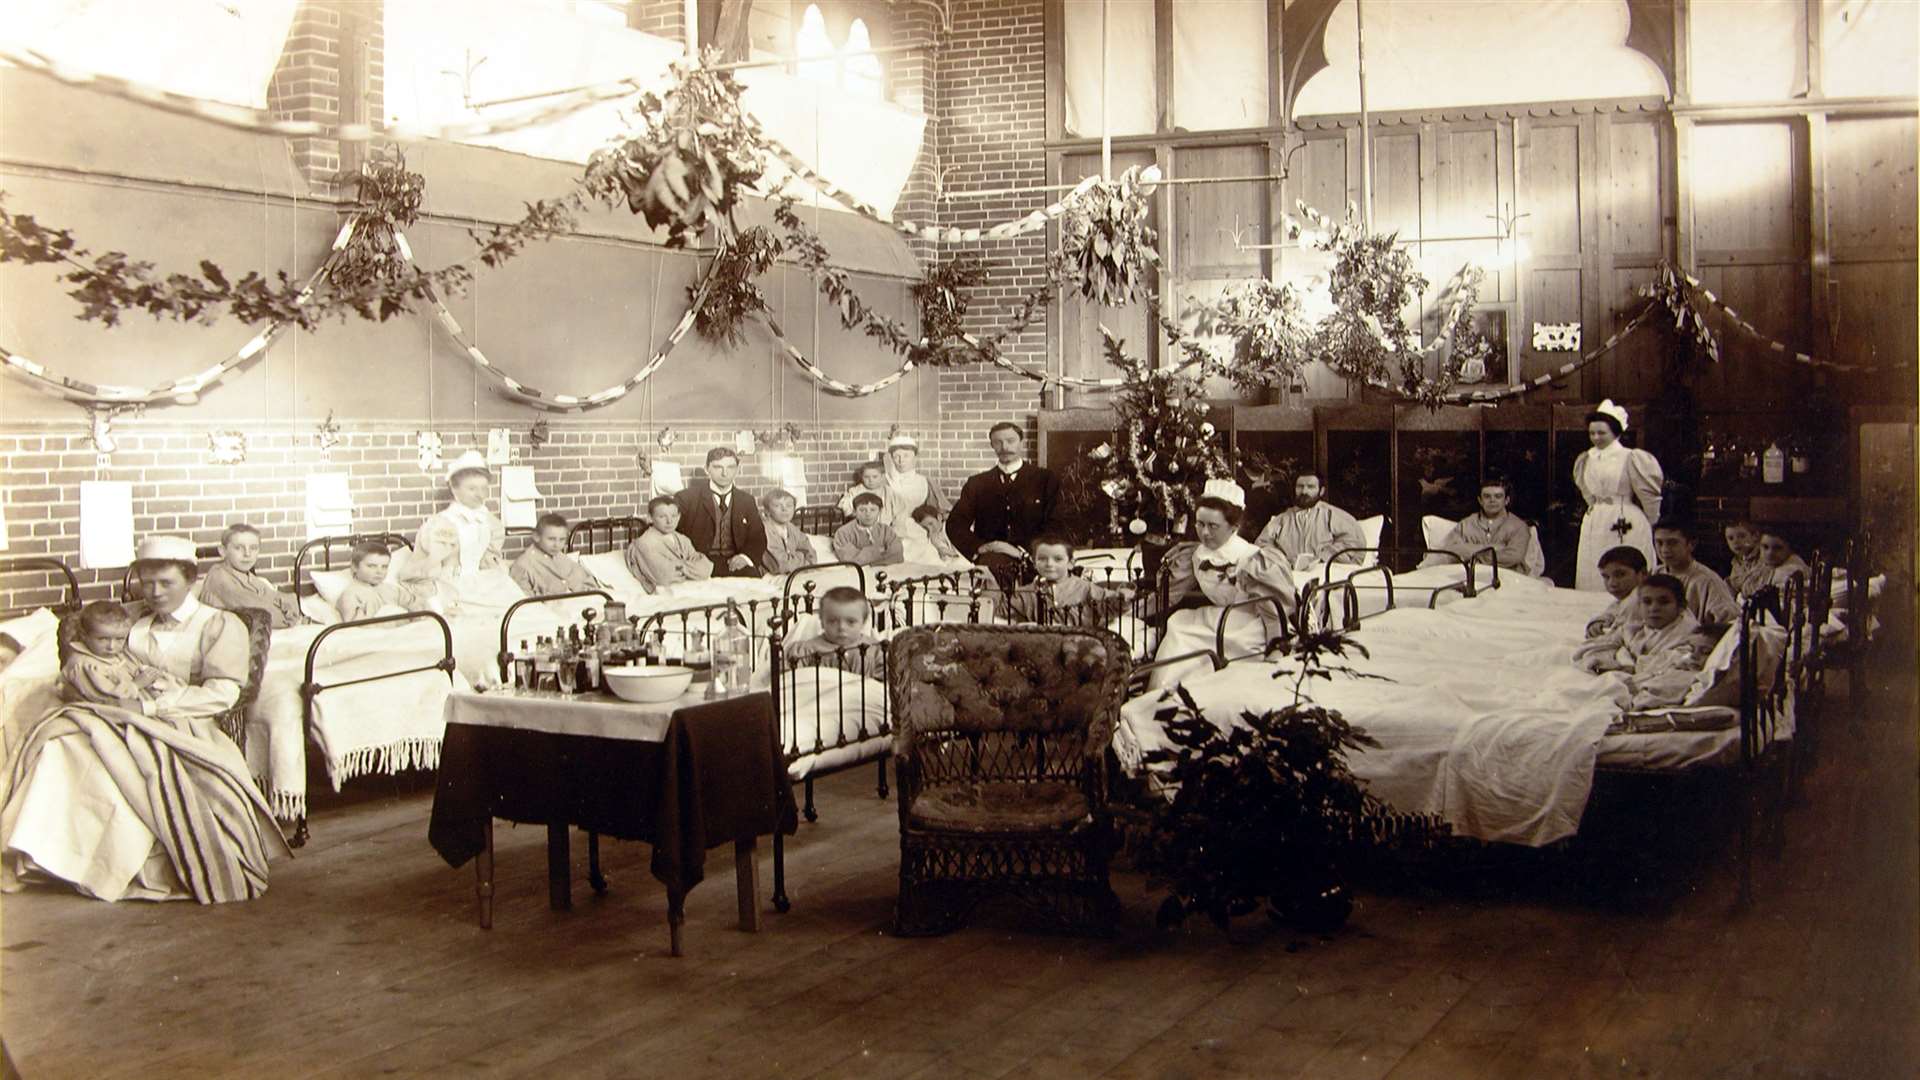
1761, 462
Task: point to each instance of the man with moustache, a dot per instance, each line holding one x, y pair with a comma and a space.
1001, 510
1312, 529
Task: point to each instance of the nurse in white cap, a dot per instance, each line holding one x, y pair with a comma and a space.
461, 540
910, 489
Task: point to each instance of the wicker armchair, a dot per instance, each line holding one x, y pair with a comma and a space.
1000, 737
259, 641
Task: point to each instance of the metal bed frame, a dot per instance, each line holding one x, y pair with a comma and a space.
42, 564
601, 533
820, 519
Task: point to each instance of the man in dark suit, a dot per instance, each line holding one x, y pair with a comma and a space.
1001, 510
722, 521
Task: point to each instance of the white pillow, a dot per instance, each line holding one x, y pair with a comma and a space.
1370, 528
315, 607
1536, 555
822, 547
610, 569
1434, 530
32, 628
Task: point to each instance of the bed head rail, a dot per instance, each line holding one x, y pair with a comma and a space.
1261, 606
690, 630
800, 593
329, 550
70, 585
820, 519
591, 536
954, 596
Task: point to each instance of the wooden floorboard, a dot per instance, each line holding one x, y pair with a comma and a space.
365, 958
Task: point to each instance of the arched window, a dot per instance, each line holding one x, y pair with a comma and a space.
851, 67
814, 49
863, 75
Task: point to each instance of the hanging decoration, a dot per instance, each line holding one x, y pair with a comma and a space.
327, 436
538, 433
100, 418
226, 447
733, 295
1689, 300
814, 372
429, 447
666, 440
1163, 449
1106, 241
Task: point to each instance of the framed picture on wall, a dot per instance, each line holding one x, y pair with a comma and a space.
1493, 321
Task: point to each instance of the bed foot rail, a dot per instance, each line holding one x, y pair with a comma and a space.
880, 769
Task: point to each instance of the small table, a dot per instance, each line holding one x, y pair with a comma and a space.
685, 776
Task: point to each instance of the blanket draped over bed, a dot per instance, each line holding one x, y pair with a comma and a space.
183, 781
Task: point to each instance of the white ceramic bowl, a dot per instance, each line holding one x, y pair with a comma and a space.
649, 684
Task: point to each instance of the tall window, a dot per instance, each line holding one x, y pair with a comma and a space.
851, 67
1219, 75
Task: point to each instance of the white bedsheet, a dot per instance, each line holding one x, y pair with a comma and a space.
1486, 722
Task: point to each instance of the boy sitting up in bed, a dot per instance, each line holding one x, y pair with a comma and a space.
1661, 639
869, 479
545, 568
661, 556
866, 540
98, 668
788, 548
844, 641
370, 592
233, 585
1056, 597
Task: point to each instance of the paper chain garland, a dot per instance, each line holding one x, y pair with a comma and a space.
243, 118
528, 395
1670, 287
814, 372
1481, 397
184, 391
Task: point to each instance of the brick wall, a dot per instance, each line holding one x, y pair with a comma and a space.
332, 70
990, 96
586, 469
661, 18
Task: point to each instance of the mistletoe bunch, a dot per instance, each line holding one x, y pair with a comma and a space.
695, 157
1164, 448
1106, 241
387, 198
732, 294
1689, 316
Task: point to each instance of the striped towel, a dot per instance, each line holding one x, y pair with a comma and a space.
185, 782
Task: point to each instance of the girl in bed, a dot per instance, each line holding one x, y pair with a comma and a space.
460, 541
172, 810
1622, 488
1223, 568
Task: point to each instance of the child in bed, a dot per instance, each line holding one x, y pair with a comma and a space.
1058, 598
10, 651
98, 668
1622, 570
1661, 639
866, 540
661, 557
844, 641
1662, 679
545, 568
232, 584
370, 592
869, 479
931, 519
788, 548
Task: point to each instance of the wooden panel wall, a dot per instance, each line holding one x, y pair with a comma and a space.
1871, 198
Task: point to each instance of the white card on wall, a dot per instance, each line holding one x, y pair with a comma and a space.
106, 523
499, 446
519, 498
1556, 337
329, 505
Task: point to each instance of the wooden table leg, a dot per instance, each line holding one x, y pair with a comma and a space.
746, 882
483, 879
559, 870
676, 919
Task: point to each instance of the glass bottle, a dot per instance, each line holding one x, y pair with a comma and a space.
523, 667
543, 666
1773, 469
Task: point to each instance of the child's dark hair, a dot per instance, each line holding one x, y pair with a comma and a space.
658, 501
551, 521
12, 644
925, 512
860, 470
367, 549
1630, 557
1714, 630
868, 498
103, 613
236, 529
1050, 540
775, 495
1669, 583
842, 594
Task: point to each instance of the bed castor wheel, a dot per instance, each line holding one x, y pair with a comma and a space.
782, 905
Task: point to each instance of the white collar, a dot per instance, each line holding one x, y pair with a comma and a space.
717, 493
471, 513
187, 609
1236, 548
1014, 470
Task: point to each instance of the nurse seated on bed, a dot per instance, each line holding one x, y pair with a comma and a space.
661, 556
545, 568
461, 540
1222, 569
1056, 597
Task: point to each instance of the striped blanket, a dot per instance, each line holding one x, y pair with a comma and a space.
184, 781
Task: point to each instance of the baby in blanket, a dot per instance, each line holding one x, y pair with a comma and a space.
1057, 598
371, 592
99, 669
844, 641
